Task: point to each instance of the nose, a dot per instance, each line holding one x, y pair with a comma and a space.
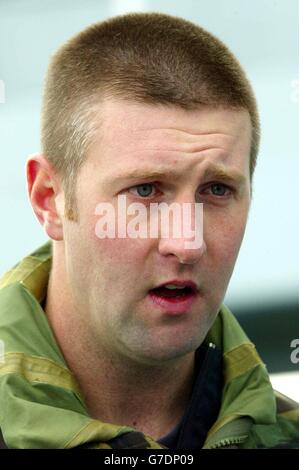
177, 248
187, 243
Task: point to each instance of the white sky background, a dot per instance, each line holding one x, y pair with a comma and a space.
264, 35
286, 383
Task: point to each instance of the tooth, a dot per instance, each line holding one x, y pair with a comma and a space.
172, 286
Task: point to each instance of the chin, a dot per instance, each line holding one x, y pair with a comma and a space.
163, 353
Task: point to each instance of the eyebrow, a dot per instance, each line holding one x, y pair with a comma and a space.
213, 171
220, 172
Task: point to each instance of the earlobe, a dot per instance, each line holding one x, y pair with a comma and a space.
43, 189
53, 227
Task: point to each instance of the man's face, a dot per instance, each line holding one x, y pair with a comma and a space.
110, 279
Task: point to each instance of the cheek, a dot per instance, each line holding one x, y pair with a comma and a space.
224, 240
120, 260
119, 268
230, 245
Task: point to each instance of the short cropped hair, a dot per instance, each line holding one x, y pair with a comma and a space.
146, 57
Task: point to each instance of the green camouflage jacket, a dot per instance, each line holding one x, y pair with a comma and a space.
41, 405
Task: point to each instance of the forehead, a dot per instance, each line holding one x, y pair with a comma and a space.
135, 134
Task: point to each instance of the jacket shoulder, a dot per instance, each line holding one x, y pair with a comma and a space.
284, 433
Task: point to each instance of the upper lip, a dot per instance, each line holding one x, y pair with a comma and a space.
180, 282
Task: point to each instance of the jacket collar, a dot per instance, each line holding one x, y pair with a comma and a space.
34, 375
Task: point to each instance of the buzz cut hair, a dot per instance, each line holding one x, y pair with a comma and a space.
145, 57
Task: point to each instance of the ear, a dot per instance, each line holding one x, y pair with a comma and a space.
45, 191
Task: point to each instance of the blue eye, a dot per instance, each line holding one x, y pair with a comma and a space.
144, 190
219, 189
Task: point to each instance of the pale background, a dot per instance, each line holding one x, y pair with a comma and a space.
263, 34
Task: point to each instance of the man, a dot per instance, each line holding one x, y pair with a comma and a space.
122, 341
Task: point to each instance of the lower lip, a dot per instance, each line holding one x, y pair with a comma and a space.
174, 305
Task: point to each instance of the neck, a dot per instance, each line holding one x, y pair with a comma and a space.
152, 399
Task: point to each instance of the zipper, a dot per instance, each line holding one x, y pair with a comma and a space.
232, 433
227, 442
183, 439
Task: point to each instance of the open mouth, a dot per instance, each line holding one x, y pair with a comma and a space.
174, 298
172, 293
